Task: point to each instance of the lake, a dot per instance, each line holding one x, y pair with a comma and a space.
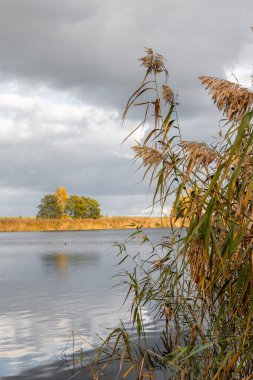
54, 285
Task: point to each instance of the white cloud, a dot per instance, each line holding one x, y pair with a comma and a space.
47, 141
241, 68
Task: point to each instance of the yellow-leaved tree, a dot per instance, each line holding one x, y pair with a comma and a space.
62, 196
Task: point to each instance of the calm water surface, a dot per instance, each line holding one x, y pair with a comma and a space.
53, 283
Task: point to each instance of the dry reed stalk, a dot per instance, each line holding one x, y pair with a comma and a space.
230, 97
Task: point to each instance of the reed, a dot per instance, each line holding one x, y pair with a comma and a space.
104, 223
198, 282
231, 98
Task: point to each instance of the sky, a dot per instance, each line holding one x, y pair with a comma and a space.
67, 69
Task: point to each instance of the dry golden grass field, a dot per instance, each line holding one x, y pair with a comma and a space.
104, 223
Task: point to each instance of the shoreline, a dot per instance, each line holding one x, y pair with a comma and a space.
27, 224
63, 369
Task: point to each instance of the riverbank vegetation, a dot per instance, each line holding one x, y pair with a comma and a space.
68, 224
197, 282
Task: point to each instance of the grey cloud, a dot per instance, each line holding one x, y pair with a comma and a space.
88, 50
92, 47
42, 150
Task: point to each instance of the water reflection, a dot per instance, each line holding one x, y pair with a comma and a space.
49, 288
61, 261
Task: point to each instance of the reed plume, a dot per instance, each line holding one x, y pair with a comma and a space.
231, 98
168, 95
150, 156
199, 154
153, 62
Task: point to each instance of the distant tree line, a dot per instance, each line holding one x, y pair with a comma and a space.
60, 205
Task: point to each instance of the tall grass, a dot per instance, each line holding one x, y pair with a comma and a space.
197, 281
67, 224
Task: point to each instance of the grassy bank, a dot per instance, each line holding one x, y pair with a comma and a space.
105, 223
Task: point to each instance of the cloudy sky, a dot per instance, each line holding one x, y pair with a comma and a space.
67, 68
